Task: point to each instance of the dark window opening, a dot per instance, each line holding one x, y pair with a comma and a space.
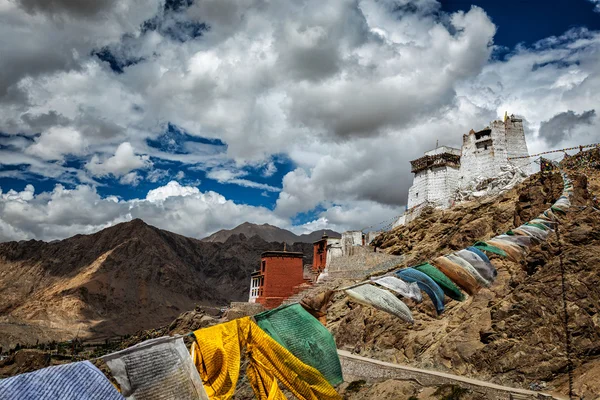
484, 144
482, 134
264, 266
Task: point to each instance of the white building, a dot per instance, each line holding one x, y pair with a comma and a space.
443, 170
436, 177
484, 153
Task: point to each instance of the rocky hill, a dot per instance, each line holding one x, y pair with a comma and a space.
514, 332
125, 278
269, 233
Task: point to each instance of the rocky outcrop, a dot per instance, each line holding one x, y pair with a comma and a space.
512, 333
509, 177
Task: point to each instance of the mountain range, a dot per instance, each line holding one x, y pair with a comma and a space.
269, 233
128, 277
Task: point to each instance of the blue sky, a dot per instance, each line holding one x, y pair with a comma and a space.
528, 21
200, 115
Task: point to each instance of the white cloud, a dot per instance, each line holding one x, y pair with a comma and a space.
25, 195
121, 164
171, 189
132, 179
269, 169
349, 91
597, 3
233, 177
66, 212
311, 226
157, 174
57, 142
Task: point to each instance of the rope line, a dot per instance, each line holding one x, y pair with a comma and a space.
393, 219
566, 313
557, 151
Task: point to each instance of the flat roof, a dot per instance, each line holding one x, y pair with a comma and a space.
290, 254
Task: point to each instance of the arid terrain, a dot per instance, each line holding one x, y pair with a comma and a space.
514, 332
122, 279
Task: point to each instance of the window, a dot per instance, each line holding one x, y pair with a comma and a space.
417, 194
264, 266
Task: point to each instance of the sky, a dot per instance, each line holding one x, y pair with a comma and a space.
198, 115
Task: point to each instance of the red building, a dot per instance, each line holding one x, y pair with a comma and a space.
279, 274
320, 254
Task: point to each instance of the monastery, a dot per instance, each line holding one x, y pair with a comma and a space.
438, 175
444, 170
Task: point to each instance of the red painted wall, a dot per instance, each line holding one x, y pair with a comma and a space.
320, 255
281, 275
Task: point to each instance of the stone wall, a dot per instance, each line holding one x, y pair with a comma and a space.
240, 309
362, 261
356, 367
333, 251
371, 236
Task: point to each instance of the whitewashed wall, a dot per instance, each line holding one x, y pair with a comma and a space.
349, 240
436, 186
517, 145
418, 191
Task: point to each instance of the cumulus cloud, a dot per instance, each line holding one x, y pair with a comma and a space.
57, 142
12, 195
555, 75
120, 164
171, 189
349, 91
38, 44
81, 8
561, 126
65, 212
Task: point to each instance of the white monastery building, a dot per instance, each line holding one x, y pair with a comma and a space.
444, 170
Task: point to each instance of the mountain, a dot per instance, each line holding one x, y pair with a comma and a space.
269, 233
124, 278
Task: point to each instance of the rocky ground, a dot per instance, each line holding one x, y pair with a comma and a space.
512, 333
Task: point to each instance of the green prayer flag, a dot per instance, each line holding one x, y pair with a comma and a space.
449, 288
489, 248
305, 337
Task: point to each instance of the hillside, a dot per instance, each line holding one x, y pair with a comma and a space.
122, 279
269, 233
512, 333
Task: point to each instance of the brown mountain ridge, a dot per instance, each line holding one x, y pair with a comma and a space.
269, 233
124, 278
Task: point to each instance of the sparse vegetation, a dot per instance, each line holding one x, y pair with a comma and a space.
450, 392
355, 386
